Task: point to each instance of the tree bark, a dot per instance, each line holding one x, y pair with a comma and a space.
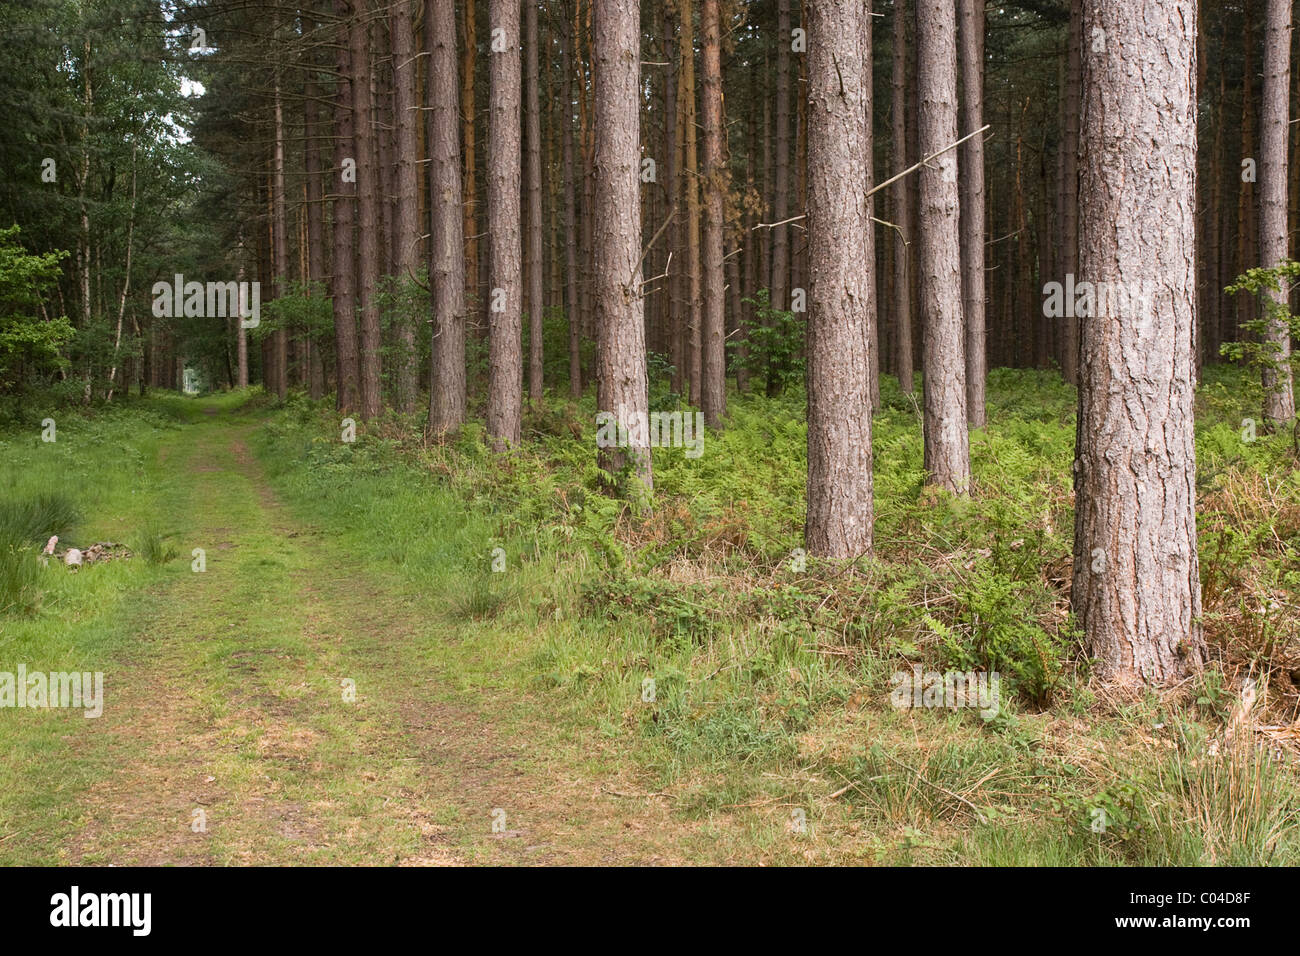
972, 207
621, 384
368, 216
869, 178
126, 287
533, 171
778, 293
799, 240
447, 271
572, 310
281, 232
315, 211
406, 208
675, 146
690, 202
1070, 187
1294, 200
1279, 397
947, 449
901, 204
713, 374
1247, 231
1137, 590
839, 516
588, 198
241, 334
1203, 287
381, 114
750, 242
505, 297
83, 235
469, 208
343, 260
673, 278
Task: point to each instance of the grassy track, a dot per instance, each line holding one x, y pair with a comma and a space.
225, 694
348, 681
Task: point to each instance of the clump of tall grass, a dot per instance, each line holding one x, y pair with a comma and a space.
1231, 804
484, 598
32, 519
153, 545
27, 521
20, 590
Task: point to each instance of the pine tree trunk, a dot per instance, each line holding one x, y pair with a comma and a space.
368, 216
83, 235
780, 282
947, 449
839, 517
678, 279
281, 227
585, 290
750, 245
901, 204
1246, 225
447, 268
407, 252
241, 334
768, 191
1203, 288
343, 260
1136, 589
533, 171
869, 179
713, 376
668, 178
735, 307
914, 198
621, 385
690, 203
571, 224
469, 56
505, 295
315, 211
972, 207
1294, 168
798, 239
1070, 187
1279, 397
381, 114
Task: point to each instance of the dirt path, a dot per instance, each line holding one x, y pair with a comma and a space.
235, 741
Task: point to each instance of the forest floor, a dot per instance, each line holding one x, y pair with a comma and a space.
350, 680
230, 700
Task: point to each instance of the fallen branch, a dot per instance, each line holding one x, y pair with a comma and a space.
912, 169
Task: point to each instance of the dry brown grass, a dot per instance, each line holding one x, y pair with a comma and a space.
1251, 621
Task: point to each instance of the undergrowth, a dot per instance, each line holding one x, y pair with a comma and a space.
771, 670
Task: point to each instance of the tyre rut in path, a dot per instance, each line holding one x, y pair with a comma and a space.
233, 743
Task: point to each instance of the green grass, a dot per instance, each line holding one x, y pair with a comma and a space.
516, 595
152, 546
29, 517
771, 684
20, 577
93, 484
